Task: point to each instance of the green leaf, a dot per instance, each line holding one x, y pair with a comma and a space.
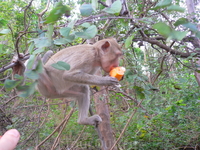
50, 32
88, 33
61, 65
1, 49
86, 10
30, 61
2, 22
139, 91
32, 74
175, 8
66, 40
191, 26
94, 4
115, 8
38, 51
180, 103
31, 47
128, 41
177, 35
65, 31
71, 24
57, 12
4, 31
26, 90
61, 41
71, 37
39, 67
86, 25
187, 24
166, 31
10, 84
181, 21
163, 4
42, 42
162, 29
198, 34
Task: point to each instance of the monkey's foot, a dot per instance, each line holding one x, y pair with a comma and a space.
93, 120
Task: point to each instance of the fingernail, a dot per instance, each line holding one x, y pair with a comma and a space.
13, 132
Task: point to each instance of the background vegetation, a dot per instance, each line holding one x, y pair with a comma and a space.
160, 90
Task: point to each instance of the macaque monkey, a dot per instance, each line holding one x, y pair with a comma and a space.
84, 60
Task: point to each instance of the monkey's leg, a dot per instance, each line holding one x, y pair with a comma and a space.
84, 104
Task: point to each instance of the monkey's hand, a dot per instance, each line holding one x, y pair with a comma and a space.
110, 80
93, 120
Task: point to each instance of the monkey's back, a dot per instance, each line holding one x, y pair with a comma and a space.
80, 58
74, 56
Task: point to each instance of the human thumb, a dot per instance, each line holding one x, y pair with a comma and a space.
9, 140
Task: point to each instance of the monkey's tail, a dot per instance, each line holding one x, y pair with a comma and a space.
46, 56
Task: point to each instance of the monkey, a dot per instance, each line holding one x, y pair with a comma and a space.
85, 60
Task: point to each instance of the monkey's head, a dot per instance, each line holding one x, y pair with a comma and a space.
109, 54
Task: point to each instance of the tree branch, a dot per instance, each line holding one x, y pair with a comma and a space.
168, 49
41, 14
102, 3
12, 64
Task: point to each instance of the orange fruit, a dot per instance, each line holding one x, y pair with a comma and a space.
117, 72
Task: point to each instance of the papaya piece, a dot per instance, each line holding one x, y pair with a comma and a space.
117, 72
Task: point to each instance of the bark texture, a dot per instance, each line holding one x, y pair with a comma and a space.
102, 108
196, 41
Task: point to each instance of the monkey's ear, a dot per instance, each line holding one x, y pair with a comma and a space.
105, 46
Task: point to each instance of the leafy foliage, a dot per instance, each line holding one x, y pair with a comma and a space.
115, 8
60, 65
57, 13
86, 10
160, 55
89, 33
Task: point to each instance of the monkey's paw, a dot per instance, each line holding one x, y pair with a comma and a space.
111, 80
93, 120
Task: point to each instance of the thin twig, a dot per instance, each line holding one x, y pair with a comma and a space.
131, 99
74, 143
22, 32
168, 49
45, 118
41, 14
44, 105
66, 118
102, 3
59, 134
8, 101
161, 69
123, 131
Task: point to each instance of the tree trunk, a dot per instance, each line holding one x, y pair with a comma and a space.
102, 108
197, 75
196, 42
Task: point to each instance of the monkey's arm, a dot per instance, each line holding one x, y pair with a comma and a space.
85, 78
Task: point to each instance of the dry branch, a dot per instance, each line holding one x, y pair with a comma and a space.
58, 127
12, 64
125, 127
167, 48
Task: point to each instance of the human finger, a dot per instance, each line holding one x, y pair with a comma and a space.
9, 140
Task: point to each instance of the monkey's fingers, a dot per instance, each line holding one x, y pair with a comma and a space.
114, 81
108, 81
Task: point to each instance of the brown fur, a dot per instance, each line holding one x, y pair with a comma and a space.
85, 61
